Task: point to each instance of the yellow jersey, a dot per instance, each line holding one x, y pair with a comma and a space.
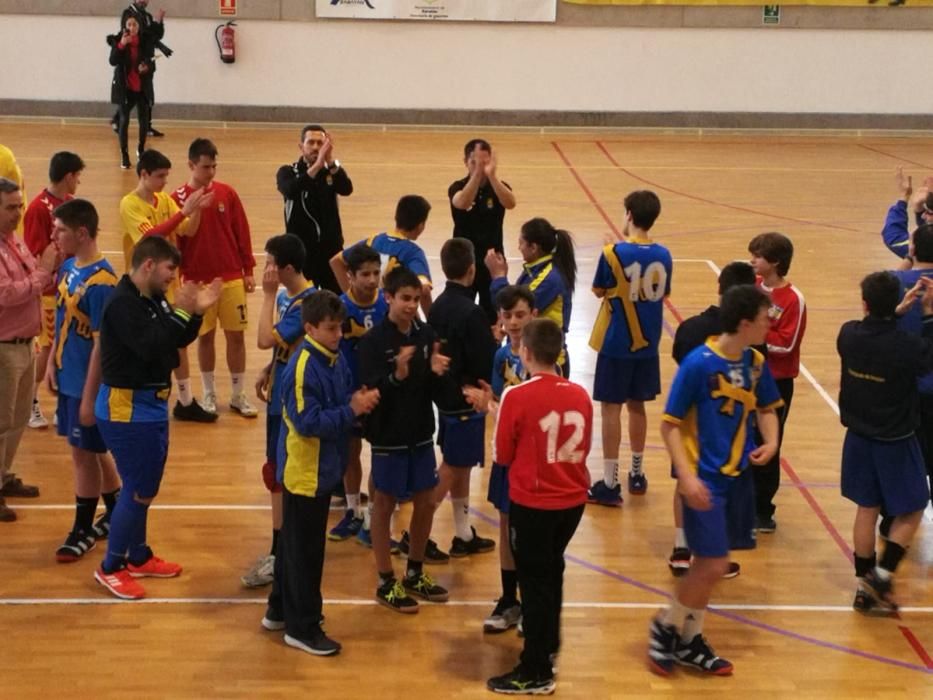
138, 216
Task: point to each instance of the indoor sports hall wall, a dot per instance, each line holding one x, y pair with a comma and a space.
488, 73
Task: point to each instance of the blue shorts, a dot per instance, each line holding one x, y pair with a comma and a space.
619, 380
707, 531
499, 488
887, 474
401, 473
462, 439
140, 451
273, 427
69, 426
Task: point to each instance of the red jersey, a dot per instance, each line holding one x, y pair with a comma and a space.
222, 246
788, 315
543, 435
37, 227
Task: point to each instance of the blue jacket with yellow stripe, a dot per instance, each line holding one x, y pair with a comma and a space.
316, 420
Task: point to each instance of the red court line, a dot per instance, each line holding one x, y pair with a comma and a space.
801, 487
917, 646
696, 198
895, 157
602, 213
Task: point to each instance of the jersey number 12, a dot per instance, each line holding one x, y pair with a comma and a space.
569, 450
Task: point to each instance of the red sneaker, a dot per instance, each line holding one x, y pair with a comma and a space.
154, 568
121, 584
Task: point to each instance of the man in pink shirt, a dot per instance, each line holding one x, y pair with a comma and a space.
22, 280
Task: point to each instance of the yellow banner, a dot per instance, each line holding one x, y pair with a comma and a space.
759, 3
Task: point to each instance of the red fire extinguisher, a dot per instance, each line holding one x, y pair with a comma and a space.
225, 36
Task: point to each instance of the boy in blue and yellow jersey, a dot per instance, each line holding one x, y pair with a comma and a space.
366, 307
896, 230
319, 409
140, 336
285, 255
633, 277
149, 211
720, 390
398, 248
550, 271
516, 308
86, 282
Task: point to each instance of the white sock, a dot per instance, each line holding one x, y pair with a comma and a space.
368, 516
883, 574
207, 379
611, 472
675, 615
693, 625
184, 392
637, 458
236, 382
461, 508
680, 539
353, 503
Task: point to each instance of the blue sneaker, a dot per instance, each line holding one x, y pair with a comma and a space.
637, 483
365, 538
601, 494
349, 526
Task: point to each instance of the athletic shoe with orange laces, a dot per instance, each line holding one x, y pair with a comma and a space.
154, 568
120, 583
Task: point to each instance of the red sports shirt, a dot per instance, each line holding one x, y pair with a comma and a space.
222, 246
37, 228
543, 435
788, 316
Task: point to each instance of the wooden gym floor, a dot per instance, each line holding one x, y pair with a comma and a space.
786, 622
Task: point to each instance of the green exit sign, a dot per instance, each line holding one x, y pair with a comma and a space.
771, 14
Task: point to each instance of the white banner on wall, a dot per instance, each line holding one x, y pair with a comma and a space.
462, 10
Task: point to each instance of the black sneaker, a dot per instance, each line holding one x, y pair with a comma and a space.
863, 602
432, 553
423, 586
76, 545
506, 614
392, 594
318, 644
125, 161
734, 570
517, 682
477, 545
662, 641
101, 527
880, 592
699, 654
767, 525
193, 412
679, 561
154, 132
273, 620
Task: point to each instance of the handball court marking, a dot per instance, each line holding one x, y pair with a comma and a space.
908, 634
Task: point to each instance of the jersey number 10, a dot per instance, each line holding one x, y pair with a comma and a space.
647, 287
569, 450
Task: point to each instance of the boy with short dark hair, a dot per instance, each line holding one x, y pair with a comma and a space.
366, 308
543, 433
882, 465
397, 248
465, 336
281, 330
516, 306
320, 407
633, 277
707, 429
86, 283
401, 358
771, 257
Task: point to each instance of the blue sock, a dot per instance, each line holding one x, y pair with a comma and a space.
121, 530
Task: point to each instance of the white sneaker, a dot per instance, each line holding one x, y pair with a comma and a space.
209, 402
241, 405
36, 419
261, 574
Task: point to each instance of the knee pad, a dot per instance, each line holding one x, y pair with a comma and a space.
268, 478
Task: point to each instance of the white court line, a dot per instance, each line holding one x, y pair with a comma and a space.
453, 603
830, 401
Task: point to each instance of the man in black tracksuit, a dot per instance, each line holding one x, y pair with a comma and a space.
879, 403
310, 187
401, 358
463, 330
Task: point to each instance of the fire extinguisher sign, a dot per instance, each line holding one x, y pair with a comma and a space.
227, 8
